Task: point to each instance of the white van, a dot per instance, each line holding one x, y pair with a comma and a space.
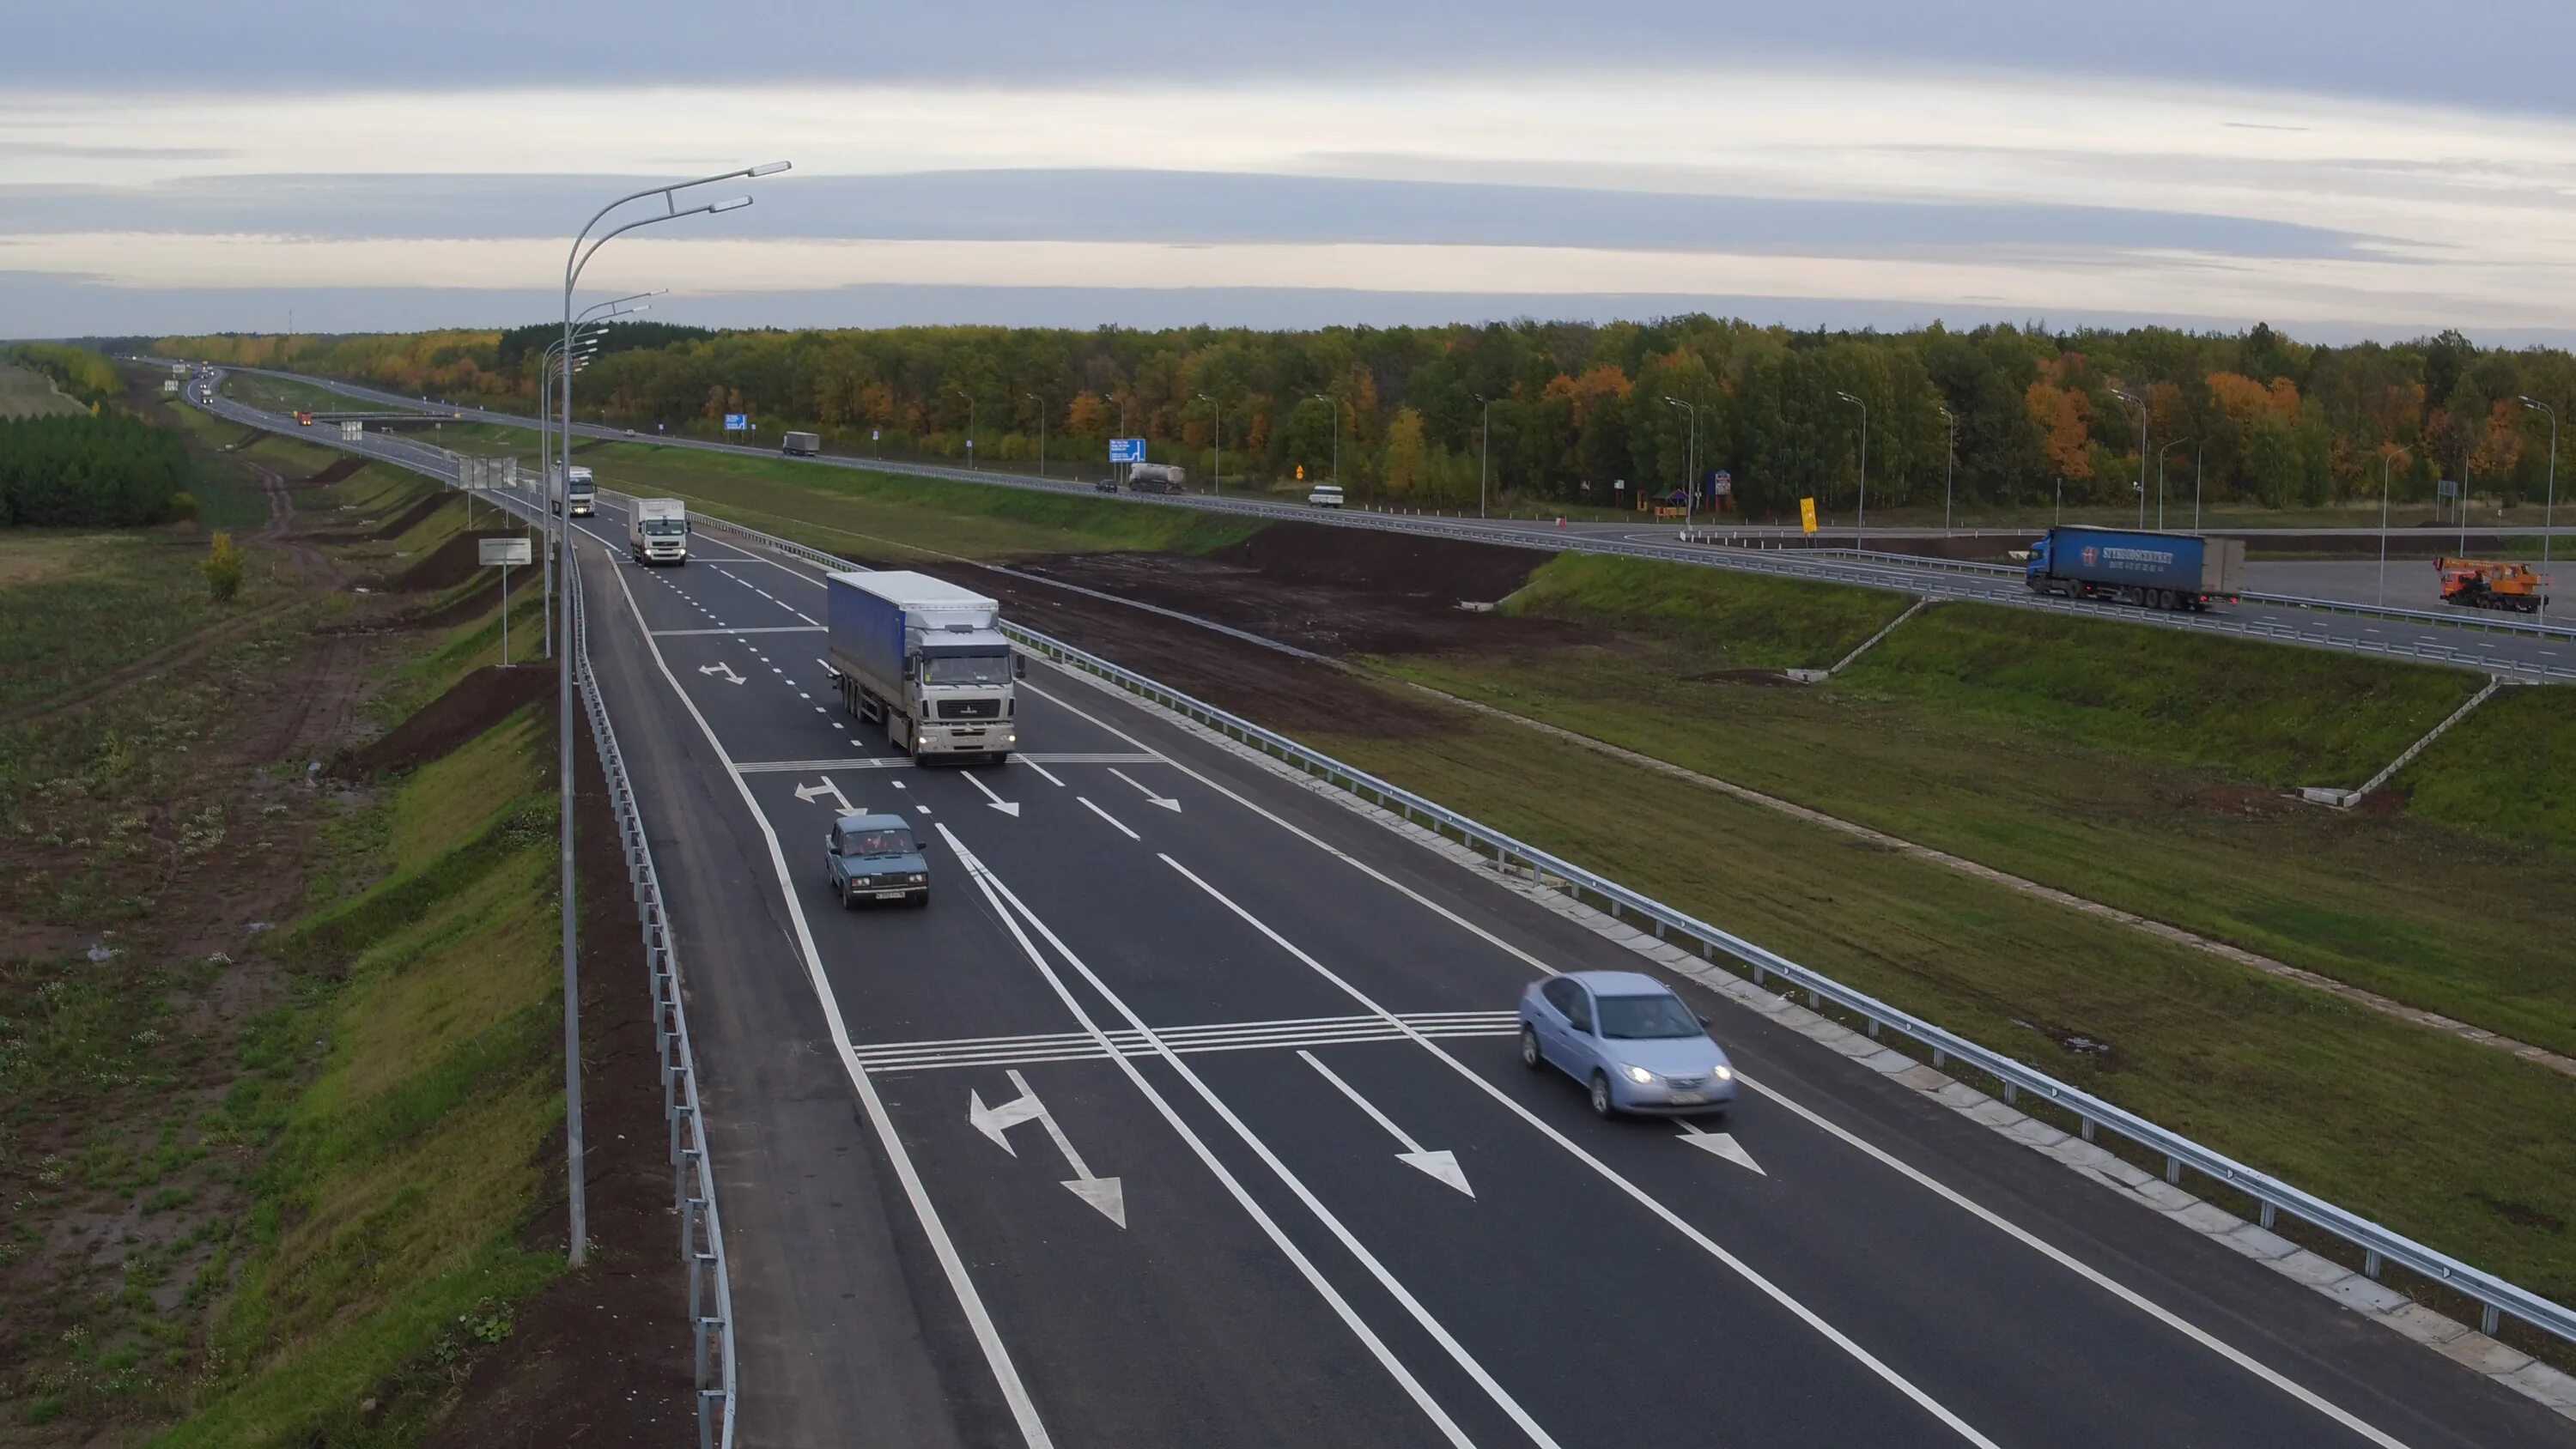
1326, 495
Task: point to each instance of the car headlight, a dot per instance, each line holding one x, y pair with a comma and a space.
919, 879
1724, 1074
1640, 1076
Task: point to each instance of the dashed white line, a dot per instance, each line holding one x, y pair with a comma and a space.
1112, 819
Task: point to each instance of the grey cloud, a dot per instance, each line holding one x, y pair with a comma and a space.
74, 151
1171, 207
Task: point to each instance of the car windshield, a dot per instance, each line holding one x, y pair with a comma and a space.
877, 842
1636, 1017
665, 527
967, 669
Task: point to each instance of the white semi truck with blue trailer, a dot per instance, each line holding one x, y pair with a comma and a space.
2157, 570
926, 659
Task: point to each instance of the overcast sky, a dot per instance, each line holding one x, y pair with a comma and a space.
2346, 170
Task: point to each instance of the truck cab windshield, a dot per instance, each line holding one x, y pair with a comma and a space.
967, 669
664, 527
877, 842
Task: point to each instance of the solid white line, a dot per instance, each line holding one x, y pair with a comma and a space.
995, 893
1112, 819
1046, 1119
1363, 1103
997, 1355
2085, 1271
1363, 867
1643, 1198
1041, 769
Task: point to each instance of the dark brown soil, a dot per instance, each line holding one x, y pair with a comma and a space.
602, 1357
477, 702
342, 468
403, 522
451, 563
461, 608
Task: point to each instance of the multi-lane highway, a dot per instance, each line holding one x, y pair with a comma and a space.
1186, 1113
2484, 642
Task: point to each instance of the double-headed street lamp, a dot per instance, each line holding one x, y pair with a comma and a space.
584, 247
1042, 412
2549, 505
1690, 459
970, 421
2385, 459
1336, 405
1862, 526
1950, 468
584, 343
1484, 450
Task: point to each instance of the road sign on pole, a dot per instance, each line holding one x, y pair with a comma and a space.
501, 553
737, 422
1807, 514
1126, 450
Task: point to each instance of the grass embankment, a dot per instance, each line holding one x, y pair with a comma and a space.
78, 604
279, 394
2143, 768
407, 1098
2300, 1083
880, 515
27, 393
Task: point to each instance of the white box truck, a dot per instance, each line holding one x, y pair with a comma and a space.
925, 658
657, 531
801, 445
579, 491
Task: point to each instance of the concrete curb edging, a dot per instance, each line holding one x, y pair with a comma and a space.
2504, 1364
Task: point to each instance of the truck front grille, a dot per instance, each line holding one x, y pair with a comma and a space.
970, 709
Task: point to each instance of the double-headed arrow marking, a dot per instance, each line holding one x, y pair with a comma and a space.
721, 671
1103, 1193
1442, 1164
808, 794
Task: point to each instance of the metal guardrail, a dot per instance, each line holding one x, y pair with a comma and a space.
1816, 564
2379, 1245
702, 1248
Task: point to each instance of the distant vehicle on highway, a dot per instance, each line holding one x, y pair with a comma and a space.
2157, 570
1104, 485
1325, 495
2516, 588
1629, 1040
580, 492
875, 858
801, 445
1157, 478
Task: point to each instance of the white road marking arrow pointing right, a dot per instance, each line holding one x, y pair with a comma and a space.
1722, 1144
1165, 801
1007, 807
1105, 1194
1442, 1164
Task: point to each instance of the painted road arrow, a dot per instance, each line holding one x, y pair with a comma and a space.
809, 793
1721, 1144
1163, 800
1442, 1164
1104, 1193
721, 671
1007, 807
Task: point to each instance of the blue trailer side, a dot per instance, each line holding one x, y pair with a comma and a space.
866, 634
2159, 570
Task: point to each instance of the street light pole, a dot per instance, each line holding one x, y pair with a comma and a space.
1950, 465
1690, 460
1042, 411
2549, 505
2384, 460
1218, 452
1484, 450
2142, 452
970, 421
584, 247
2198, 452
1862, 526
1336, 405
2160, 483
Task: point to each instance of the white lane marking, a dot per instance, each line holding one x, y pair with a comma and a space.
737, 631
1112, 819
1354, 862
1007, 807
1639, 1195
2083, 1270
1041, 769
1223, 1037
1104, 1193
810, 793
924, 809
1165, 801
1442, 1165
1720, 1144
997, 1355
721, 671
997, 894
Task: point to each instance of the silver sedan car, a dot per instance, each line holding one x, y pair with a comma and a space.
1629, 1040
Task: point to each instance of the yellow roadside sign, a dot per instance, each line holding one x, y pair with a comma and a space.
1807, 513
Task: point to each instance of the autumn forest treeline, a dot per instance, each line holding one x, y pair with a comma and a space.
1554, 407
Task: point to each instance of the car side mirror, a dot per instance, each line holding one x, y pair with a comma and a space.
1019, 666
907, 669
1705, 1023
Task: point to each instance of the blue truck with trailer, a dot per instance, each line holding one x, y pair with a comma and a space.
2155, 570
926, 659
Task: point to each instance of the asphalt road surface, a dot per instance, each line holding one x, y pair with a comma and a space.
2463, 642
1187, 1113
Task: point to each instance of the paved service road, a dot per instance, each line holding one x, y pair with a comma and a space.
1146, 961
2462, 643
1187, 1113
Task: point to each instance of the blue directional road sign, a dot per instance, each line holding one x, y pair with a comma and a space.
1126, 450
737, 422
